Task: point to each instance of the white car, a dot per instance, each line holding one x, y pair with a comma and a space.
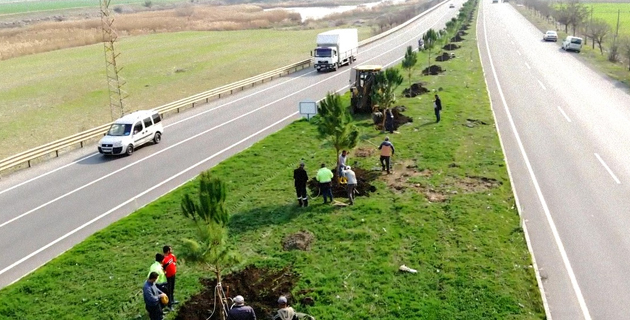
451, 6
550, 36
572, 44
131, 131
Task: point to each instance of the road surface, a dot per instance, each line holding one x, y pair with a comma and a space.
565, 131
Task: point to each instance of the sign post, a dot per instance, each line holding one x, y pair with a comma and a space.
307, 109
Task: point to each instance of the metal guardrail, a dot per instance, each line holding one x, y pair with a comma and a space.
27, 157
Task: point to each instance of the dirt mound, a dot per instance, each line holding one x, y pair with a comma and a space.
433, 70
471, 123
300, 240
363, 152
364, 186
476, 184
399, 118
260, 288
451, 46
416, 89
457, 38
445, 56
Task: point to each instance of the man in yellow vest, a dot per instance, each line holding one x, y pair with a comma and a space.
324, 177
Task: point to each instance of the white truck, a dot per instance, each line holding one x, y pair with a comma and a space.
335, 48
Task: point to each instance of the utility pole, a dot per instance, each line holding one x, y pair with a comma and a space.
114, 81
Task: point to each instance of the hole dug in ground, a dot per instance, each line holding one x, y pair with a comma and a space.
260, 288
364, 186
415, 89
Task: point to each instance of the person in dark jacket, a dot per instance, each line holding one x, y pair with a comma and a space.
152, 297
437, 105
240, 311
301, 178
389, 121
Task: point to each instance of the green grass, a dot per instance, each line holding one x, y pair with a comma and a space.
608, 12
470, 251
593, 57
59, 93
44, 5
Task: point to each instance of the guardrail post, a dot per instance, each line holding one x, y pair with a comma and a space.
81, 144
29, 163
193, 104
57, 153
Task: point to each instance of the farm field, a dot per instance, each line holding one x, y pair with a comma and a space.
68, 86
608, 12
447, 210
13, 6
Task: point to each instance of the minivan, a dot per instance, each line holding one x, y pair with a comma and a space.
131, 131
572, 44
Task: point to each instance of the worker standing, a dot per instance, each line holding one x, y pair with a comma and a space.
301, 178
387, 150
341, 163
324, 177
437, 105
352, 183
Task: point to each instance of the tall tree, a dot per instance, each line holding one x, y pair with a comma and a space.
334, 123
430, 39
561, 14
410, 60
598, 29
577, 13
209, 218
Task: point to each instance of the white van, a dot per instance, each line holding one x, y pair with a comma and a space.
572, 43
132, 131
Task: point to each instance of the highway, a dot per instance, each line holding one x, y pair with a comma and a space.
53, 206
565, 132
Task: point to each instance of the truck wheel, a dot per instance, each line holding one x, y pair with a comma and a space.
129, 150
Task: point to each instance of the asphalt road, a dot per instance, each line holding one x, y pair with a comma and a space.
564, 129
49, 208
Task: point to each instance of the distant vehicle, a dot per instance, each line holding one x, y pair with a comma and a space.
335, 48
572, 44
495, 1
132, 131
550, 36
451, 6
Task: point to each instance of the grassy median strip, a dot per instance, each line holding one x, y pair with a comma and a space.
447, 210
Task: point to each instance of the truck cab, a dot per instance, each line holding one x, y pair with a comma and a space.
325, 58
335, 48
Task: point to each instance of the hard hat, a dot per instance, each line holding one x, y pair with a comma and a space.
164, 299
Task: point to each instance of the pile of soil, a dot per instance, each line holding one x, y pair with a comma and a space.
471, 123
300, 240
445, 56
416, 89
260, 287
433, 70
364, 186
399, 118
451, 46
457, 38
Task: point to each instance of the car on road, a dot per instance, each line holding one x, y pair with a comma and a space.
571, 43
451, 6
495, 1
131, 131
550, 36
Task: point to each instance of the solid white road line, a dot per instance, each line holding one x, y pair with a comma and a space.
564, 114
607, 168
528, 67
519, 53
190, 138
543, 202
541, 84
512, 42
212, 109
142, 194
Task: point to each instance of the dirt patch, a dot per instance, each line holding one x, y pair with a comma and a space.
433, 70
364, 186
400, 174
451, 46
435, 196
399, 118
476, 184
415, 89
300, 240
363, 152
260, 288
445, 56
457, 38
471, 123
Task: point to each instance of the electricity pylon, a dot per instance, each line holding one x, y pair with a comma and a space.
114, 81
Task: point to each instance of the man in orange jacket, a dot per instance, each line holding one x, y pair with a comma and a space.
170, 269
387, 150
